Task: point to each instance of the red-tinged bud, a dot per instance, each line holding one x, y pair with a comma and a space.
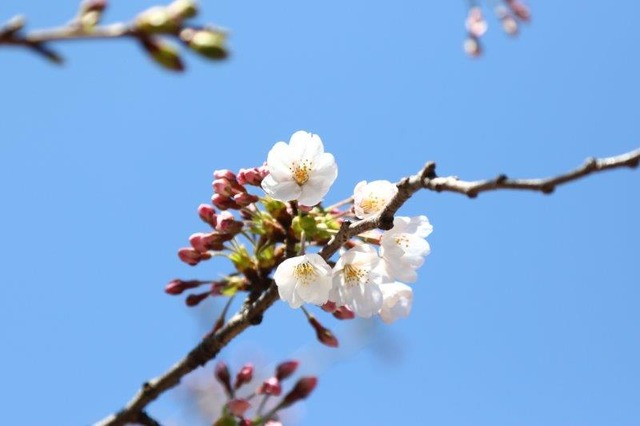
178, 286
271, 386
207, 214
475, 23
227, 224
329, 307
472, 47
252, 176
223, 187
344, 313
224, 377
238, 407
223, 203
93, 6
244, 199
244, 376
520, 10
324, 335
248, 212
300, 391
194, 299
191, 256
286, 369
164, 53
202, 243
225, 174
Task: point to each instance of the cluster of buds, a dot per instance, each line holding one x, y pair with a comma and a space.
225, 287
158, 21
508, 13
238, 409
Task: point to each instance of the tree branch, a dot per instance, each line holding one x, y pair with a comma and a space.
251, 311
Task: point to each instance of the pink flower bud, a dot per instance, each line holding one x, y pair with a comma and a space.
244, 376
223, 187
238, 407
224, 377
191, 256
329, 307
344, 313
207, 214
472, 47
324, 335
271, 386
286, 369
178, 286
520, 10
224, 174
244, 199
301, 390
223, 203
227, 224
194, 299
252, 176
475, 23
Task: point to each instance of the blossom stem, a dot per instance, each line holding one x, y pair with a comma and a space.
263, 403
340, 204
303, 243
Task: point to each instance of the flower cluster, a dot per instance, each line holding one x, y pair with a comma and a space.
508, 13
280, 233
239, 410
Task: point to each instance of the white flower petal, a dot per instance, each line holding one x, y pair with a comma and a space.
279, 162
282, 191
397, 301
305, 145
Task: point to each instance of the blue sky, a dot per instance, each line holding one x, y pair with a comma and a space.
526, 310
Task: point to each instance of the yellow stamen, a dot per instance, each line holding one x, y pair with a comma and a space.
354, 275
305, 273
372, 204
300, 171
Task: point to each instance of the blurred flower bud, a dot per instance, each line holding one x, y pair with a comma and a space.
244, 199
244, 376
194, 299
183, 9
329, 307
191, 256
475, 23
206, 42
472, 46
271, 386
164, 53
224, 377
286, 369
207, 214
223, 203
227, 224
324, 335
156, 20
301, 390
178, 286
238, 407
520, 10
344, 313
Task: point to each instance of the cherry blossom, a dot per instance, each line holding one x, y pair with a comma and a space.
303, 279
403, 247
370, 198
356, 279
300, 170
397, 299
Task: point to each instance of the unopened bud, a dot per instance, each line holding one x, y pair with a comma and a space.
227, 224
509, 25
244, 376
301, 390
286, 369
183, 9
224, 377
344, 313
252, 176
520, 10
93, 6
271, 386
227, 187
178, 286
244, 199
329, 307
194, 299
324, 335
238, 407
475, 23
207, 214
156, 20
225, 174
191, 256
472, 47
223, 203
164, 53
206, 42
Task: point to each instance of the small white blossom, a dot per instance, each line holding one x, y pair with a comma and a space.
403, 247
303, 279
356, 281
397, 299
300, 170
370, 198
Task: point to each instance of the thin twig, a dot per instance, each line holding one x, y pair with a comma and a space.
251, 310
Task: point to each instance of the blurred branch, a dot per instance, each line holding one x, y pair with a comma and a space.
150, 29
256, 304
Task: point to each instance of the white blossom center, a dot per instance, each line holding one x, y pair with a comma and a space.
402, 240
300, 171
305, 273
354, 276
372, 204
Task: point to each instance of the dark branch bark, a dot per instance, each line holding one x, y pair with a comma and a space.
251, 310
